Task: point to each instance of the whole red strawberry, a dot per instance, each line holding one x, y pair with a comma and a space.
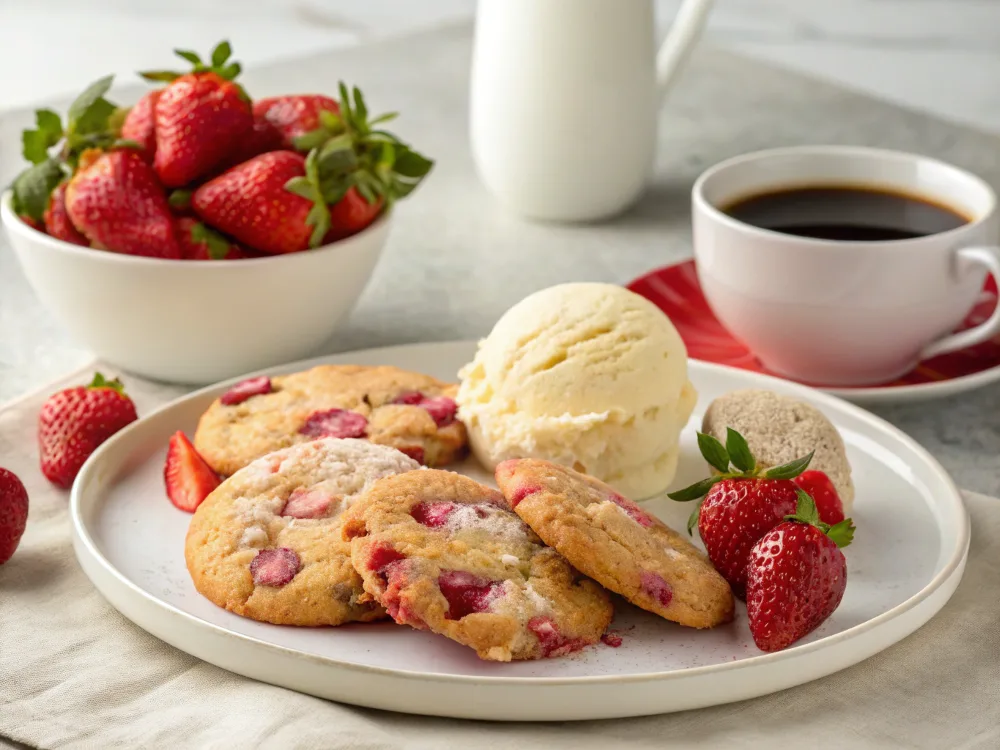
13, 513
250, 203
200, 118
115, 201
742, 503
74, 421
57, 221
260, 139
294, 116
796, 577
821, 489
140, 124
198, 242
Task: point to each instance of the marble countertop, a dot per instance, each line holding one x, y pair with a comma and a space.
940, 56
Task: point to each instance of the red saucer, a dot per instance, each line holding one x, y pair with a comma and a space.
676, 291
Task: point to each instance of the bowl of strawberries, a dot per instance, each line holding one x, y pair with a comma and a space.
201, 234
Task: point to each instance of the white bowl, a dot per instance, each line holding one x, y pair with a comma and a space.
196, 321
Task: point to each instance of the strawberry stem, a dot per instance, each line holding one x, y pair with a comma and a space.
841, 534
100, 381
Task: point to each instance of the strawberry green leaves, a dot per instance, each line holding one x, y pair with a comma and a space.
351, 153
218, 246
790, 470
734, 460
47, 133
219, 65
841, 534
310, 187
90, 112
100, 381
33, 187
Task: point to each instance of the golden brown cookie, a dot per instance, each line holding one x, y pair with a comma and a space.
444, 553
266, 544
413, 413
614, 541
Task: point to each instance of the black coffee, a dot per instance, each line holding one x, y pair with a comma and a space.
845, 213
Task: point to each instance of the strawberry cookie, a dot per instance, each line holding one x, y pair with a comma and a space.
405, 410
613, 540
443, 553
266, 544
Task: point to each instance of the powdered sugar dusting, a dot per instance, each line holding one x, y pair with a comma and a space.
509, 560
672, 553
538, 602
497, 522
253, 536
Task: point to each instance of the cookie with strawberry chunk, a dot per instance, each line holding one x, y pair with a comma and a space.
617, 543
266, 544
406, 410
444, 553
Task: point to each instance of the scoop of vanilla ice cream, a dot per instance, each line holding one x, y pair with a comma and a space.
591, 376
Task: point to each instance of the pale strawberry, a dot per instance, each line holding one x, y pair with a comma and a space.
57, 221
74, 422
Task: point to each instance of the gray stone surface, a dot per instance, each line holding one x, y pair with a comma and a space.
457, 260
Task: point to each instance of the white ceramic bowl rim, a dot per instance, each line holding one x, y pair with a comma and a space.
15, 224
716, 214
955, 560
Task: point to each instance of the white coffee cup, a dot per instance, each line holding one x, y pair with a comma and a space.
839, 312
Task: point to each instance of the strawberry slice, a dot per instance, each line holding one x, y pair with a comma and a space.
188, 477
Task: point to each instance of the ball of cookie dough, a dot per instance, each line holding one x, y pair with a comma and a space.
779, 429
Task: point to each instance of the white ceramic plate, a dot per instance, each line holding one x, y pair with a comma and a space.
908, 557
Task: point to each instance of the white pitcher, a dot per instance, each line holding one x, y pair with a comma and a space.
564, 100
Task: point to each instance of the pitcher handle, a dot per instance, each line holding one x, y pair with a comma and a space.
970, 257
676, 48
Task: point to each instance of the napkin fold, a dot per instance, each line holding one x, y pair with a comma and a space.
75, 673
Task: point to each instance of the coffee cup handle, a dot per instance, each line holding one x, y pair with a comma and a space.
988, 257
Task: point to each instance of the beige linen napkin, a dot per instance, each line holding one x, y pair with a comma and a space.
75, 673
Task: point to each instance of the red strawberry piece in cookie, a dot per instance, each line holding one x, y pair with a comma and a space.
441, 408
339, 423
467, 593
611, 539
246, 389
275, 567
305, 503
472, 570
416, 452
554, 643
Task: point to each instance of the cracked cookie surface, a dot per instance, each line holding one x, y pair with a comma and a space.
409, 411
443, 553
614, 541
266, 544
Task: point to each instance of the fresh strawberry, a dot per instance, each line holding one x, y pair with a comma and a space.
250, 203
796, 576
54, 148
73, 422
140, 124
820, 488
294, 116
38, 226
260, 139
742, 503
200, 118
198, 242
116, 202
189, 479
13, 513
351, 214
57, 222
